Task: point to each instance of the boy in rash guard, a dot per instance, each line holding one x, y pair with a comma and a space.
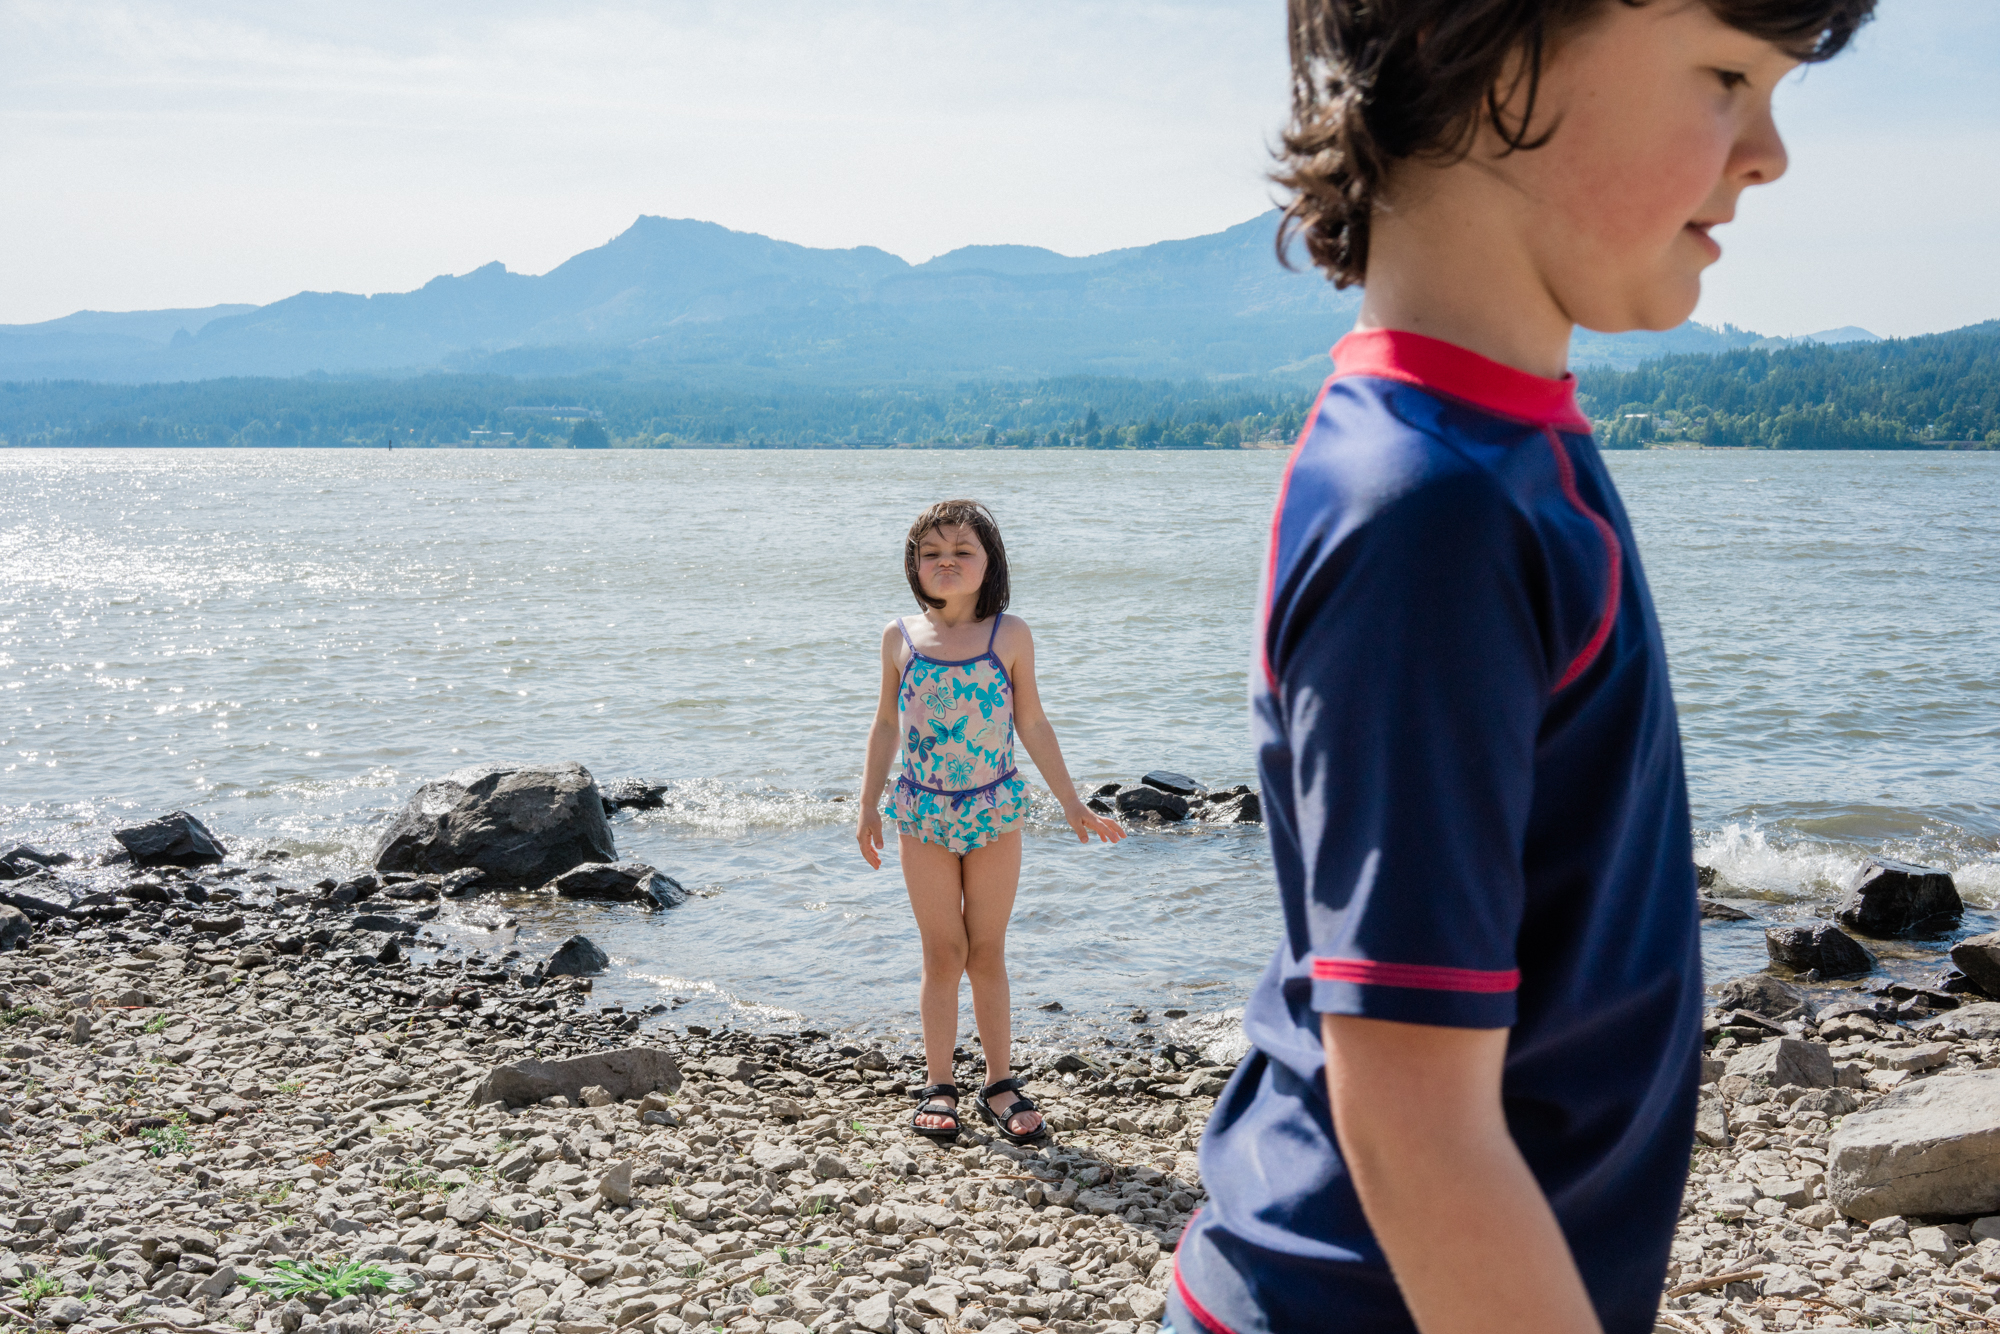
1469, 1102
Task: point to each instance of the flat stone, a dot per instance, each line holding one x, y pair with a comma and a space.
1166, 780
1932, 1147
468, 1205
1783, 1061
216, 926
1976, 1023
1714, 910
631, 1072
619, 882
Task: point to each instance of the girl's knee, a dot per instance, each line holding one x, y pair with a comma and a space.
986, 958
945, 958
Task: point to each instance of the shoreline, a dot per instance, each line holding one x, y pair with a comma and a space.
197, 1091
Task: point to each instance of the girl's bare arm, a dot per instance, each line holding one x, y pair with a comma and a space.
881, 750
1016, 647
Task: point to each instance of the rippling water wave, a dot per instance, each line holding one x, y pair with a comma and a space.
286, 642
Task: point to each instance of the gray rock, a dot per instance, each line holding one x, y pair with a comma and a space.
14, 928
217, 1283
467, 1206
631, 1072
522, 825
1166, 780
1975, 1023
216, 926
1818, 947
619, 882
65, 1311
1978, 957
176, 839
1891, 898
1711, 1122
616, 1185
576, 957
79, 1027
1714, 910
1931, 1147
1783, 1061
1760, 993
395, 926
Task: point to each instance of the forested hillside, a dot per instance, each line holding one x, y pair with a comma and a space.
1910, 393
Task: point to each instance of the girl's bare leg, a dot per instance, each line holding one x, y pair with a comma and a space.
934, 879
991, 875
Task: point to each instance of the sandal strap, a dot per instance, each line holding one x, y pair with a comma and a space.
1016, 1107
1013, 1085
937, 1091
935, 1109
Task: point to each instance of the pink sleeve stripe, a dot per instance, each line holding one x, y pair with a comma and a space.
1417, 976
1609, 615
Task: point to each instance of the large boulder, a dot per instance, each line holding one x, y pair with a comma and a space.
1932, 1147
1890, 898
1817, 947
632, 1072
1978, 957
619, 882
576, 957
1783, 1061
1760, 993
176, 839
522, 825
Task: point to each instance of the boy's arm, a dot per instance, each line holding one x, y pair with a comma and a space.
1467, 1232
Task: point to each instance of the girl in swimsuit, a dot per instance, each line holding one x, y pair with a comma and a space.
958, 682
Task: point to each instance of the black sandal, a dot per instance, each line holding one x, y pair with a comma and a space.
1013, 1109
927, 1106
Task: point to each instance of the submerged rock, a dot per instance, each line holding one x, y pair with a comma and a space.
522, 825
1891, 898
634, 794
1714, 911
1819, 947
619, 882
1137, 801
175, 839
1930, 1148
626, 1074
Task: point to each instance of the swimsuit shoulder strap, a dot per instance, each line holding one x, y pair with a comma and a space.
996, 630
906, 634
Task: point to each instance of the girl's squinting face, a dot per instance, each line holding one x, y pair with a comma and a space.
951, 562
1662, 116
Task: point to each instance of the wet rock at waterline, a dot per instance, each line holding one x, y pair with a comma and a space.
633, 794
1817, 947
1166, 780
621, 1075
14, 928
1761, 994
1714, 911
176, 839
522, 825
1890, 898
576, 957
1143, 800
619, 882
1932, 1148
1978, 957
22, 861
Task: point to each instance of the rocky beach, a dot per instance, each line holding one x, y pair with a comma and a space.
235, 1101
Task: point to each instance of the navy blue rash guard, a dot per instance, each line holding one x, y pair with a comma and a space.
1472, 778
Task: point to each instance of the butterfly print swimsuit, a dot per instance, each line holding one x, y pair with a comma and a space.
958, 788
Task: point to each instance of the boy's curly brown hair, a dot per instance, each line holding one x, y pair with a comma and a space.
1374, 81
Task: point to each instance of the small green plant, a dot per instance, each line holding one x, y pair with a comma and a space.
332, 1280
276, 1195
693, 1270
159, 1022
760, 1288
293, 1087
860, 1129
18, 1015
34, 1291
163, 1140
815, 1208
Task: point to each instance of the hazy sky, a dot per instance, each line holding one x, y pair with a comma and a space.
181, 154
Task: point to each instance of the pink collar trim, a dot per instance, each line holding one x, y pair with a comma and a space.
1448, 369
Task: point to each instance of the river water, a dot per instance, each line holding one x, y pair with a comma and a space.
287, 641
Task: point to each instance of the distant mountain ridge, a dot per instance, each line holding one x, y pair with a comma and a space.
697, 301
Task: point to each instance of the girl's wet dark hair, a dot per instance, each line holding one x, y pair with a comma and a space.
1374, 81
993, 591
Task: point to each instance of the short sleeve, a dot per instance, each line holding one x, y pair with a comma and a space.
1410, 676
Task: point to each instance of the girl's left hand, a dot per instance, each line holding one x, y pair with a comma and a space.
1084, 822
